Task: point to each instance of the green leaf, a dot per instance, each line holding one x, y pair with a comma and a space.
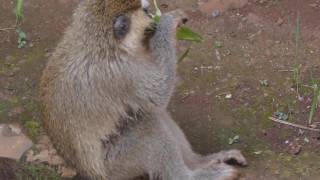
186, 34
183, 33
264, 83
158, 14
22, 35
157, 19
20, 10
233, 140
21, 38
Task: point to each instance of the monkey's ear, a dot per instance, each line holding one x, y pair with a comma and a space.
145, 4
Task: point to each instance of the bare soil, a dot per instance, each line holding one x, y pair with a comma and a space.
221, 92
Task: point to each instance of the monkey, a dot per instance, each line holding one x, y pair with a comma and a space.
105, 92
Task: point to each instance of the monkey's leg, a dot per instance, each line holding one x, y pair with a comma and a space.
152, 147
193, 159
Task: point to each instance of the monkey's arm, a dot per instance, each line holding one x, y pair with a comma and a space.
163, 52
163, 43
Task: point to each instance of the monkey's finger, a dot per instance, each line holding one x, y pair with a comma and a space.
180, 16
235, 157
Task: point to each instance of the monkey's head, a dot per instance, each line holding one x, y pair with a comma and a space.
127, 22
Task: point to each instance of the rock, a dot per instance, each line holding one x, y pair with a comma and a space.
29, 156
294, 149
31, 45
279, 22
56, 160
228, 96
43, 156
47, 153
11, 130
215, 13
67, 172
218, 55
13, 143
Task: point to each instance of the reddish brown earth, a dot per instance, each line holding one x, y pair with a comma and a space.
257, 44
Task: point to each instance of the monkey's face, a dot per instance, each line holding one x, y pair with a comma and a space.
133, 29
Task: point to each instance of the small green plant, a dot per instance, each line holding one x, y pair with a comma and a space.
33, 128
218, 44
19, 18
264, 83
36, 172
297, 68
19, 11
21, 38
296, 74
315, 100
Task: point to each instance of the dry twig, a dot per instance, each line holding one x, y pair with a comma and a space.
6, 29
293, 125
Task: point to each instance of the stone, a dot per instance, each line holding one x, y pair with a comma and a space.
43, 156
67, 172
280, 21
13, 143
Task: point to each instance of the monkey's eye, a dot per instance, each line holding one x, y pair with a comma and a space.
121, 27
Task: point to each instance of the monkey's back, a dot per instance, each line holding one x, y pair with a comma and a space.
80, 108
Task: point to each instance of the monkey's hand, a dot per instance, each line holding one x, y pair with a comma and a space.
163, 43
178, 17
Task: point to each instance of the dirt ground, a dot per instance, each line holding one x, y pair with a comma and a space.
229, 85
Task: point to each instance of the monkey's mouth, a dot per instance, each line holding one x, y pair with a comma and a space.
152, 28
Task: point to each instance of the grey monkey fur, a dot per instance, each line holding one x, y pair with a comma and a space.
105, 100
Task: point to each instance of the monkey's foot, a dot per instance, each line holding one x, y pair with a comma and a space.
233, 157
218, 171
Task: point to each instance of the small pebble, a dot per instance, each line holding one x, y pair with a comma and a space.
228, 96
215, 13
